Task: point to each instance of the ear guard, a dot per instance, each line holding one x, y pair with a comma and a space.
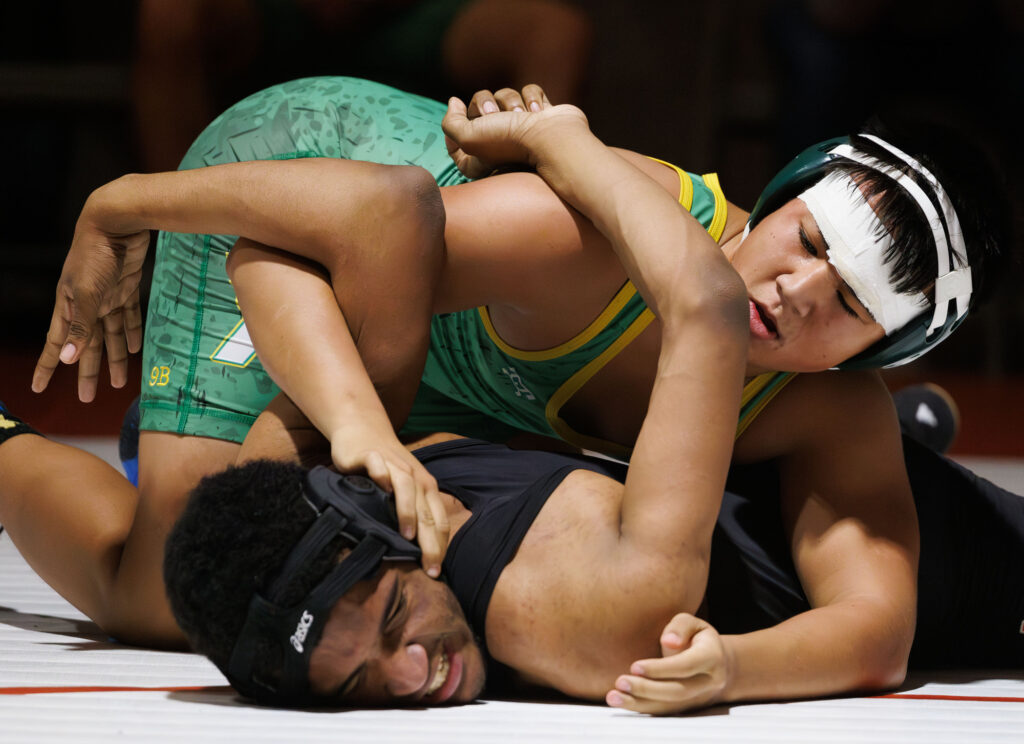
928, 329
352, 506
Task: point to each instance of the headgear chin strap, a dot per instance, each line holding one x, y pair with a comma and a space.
953, 281
352, 506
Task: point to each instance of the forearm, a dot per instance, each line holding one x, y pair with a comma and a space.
295, 205
846, 647
677, 473
303, 340
665, 251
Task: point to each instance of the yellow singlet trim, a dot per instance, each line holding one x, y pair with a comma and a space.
574, 383
757, 394
717, 225
596, 326
685, 184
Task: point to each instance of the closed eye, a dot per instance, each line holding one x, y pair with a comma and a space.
805, 241
846, 306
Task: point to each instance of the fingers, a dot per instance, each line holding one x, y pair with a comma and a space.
376, 468
421, 515
89, 366
509, 99
117, 348
421, 512
133, 322
50, 357
535, 98
432, 529
660, 697
531, 98
482, 102
84, 312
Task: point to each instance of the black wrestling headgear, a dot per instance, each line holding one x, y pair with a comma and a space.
352, 506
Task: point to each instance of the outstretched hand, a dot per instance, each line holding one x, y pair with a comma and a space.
694, 671
500, 128
97, 302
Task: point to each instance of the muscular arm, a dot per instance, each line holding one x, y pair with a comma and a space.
847, 508
306, 206
603, 589
846, 501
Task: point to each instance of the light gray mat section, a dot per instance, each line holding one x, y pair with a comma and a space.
46, 643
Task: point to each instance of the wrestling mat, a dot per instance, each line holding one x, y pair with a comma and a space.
62, 680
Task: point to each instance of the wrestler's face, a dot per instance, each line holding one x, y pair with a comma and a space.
398, 638
803, 316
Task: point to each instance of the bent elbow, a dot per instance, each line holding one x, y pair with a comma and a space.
419, 197
885, 666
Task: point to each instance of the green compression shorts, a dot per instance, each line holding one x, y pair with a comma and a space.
200, 374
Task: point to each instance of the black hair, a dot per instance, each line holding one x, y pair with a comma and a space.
236, 532
973, 184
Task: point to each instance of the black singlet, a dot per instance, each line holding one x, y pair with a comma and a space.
504, 489
971, 573
970, 608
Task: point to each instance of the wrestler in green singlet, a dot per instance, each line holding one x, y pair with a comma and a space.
201, 376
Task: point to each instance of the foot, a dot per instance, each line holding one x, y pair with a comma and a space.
929, 415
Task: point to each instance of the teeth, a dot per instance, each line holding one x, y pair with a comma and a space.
439, 676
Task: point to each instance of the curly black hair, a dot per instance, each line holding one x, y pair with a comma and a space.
236, 532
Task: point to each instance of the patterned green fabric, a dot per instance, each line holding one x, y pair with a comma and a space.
200, 374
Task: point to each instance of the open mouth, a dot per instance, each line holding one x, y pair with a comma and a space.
446, 680
762, 324
440, 675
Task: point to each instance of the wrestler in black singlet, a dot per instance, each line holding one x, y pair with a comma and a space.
971, 578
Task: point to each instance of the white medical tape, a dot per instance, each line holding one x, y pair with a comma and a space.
857, 243
951, 283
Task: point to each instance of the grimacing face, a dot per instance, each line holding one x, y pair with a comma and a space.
803, 316
397, 638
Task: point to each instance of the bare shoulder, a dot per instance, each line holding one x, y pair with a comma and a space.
816, 408
666, 176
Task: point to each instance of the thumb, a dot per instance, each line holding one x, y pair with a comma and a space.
679, 633
456, 119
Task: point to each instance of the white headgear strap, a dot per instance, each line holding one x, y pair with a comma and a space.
857, 243
954, 276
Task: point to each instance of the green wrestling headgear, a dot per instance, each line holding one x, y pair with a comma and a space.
953, 281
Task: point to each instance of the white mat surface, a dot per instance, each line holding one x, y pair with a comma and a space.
45, 643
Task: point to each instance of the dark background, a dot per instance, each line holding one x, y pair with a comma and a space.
733, 86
